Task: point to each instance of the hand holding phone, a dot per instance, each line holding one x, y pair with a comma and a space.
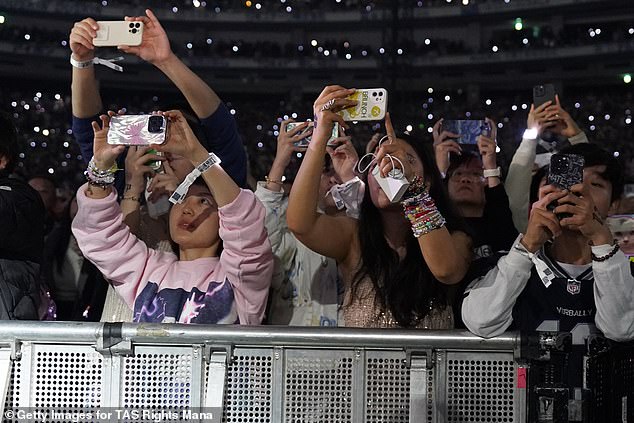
118, 33
137, 130
306, 133
371, 105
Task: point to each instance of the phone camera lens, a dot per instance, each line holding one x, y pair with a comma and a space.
137, 25
131, 25
155, 124
134, 30
374, 94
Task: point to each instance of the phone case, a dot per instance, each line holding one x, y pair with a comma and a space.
469, 130
134, 130
543, 93
118, 33
372, 105
566, 170
305, 141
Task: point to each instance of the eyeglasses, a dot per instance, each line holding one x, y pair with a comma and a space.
472, 176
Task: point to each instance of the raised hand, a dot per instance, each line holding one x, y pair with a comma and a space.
344, 158
542, 117
104, 154
80, 39
286, 142
543, 224
487, 146
155, 46
565, 124
444, 144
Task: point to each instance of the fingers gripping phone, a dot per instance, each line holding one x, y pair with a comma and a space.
371, 105
137, 130
118, 33
565, 171
543, 94
305, 141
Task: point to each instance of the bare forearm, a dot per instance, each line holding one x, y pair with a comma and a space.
222, 187
447, 260
203, 100
131, 207
86, 101
304, 197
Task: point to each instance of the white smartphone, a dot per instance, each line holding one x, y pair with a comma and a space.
118, 33
305, 141
137, 130
372, 105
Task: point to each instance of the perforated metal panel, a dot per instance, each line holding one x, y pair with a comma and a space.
387, 387
157, 378
248, 387
13, 393
480, 387
318, 386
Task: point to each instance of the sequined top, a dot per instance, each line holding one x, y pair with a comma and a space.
363, 311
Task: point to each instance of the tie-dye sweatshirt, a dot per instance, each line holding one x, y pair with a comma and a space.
232, 288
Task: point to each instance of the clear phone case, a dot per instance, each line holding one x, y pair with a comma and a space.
372, 105
137, 130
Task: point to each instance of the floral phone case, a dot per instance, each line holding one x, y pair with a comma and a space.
137, 130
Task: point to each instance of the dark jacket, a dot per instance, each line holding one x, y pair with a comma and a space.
21, 243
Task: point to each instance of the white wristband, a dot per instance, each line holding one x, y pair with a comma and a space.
492, 173
179, 195
97, 61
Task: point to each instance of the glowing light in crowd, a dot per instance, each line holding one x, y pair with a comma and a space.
627, 78
518, 24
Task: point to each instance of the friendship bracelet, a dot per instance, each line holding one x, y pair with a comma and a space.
416, 187
273, 181
422, 213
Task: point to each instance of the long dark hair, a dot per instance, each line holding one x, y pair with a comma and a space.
406, 288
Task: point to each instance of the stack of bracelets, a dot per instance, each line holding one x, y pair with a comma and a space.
98, 177
420, 209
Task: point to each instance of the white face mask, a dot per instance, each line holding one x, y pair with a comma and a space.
349, 196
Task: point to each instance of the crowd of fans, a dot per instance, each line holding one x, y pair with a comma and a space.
231, 220
42, 116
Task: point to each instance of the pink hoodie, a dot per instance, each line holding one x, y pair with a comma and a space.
232, 288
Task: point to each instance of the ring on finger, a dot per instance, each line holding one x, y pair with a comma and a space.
328, 105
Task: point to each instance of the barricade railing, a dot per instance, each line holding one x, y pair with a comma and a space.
259, 374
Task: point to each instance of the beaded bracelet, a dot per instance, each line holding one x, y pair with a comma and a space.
607, 256
98, 177
422, 214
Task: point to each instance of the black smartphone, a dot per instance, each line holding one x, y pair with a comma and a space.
565, 171
543, 93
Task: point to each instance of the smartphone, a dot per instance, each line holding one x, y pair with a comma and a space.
372, 105
468, 130
305, 141
137, 130
118, 33
565, 171
543, 93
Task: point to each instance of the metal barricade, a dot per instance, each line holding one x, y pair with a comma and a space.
266, 373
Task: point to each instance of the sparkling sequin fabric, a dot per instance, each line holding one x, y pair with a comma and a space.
362, 311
